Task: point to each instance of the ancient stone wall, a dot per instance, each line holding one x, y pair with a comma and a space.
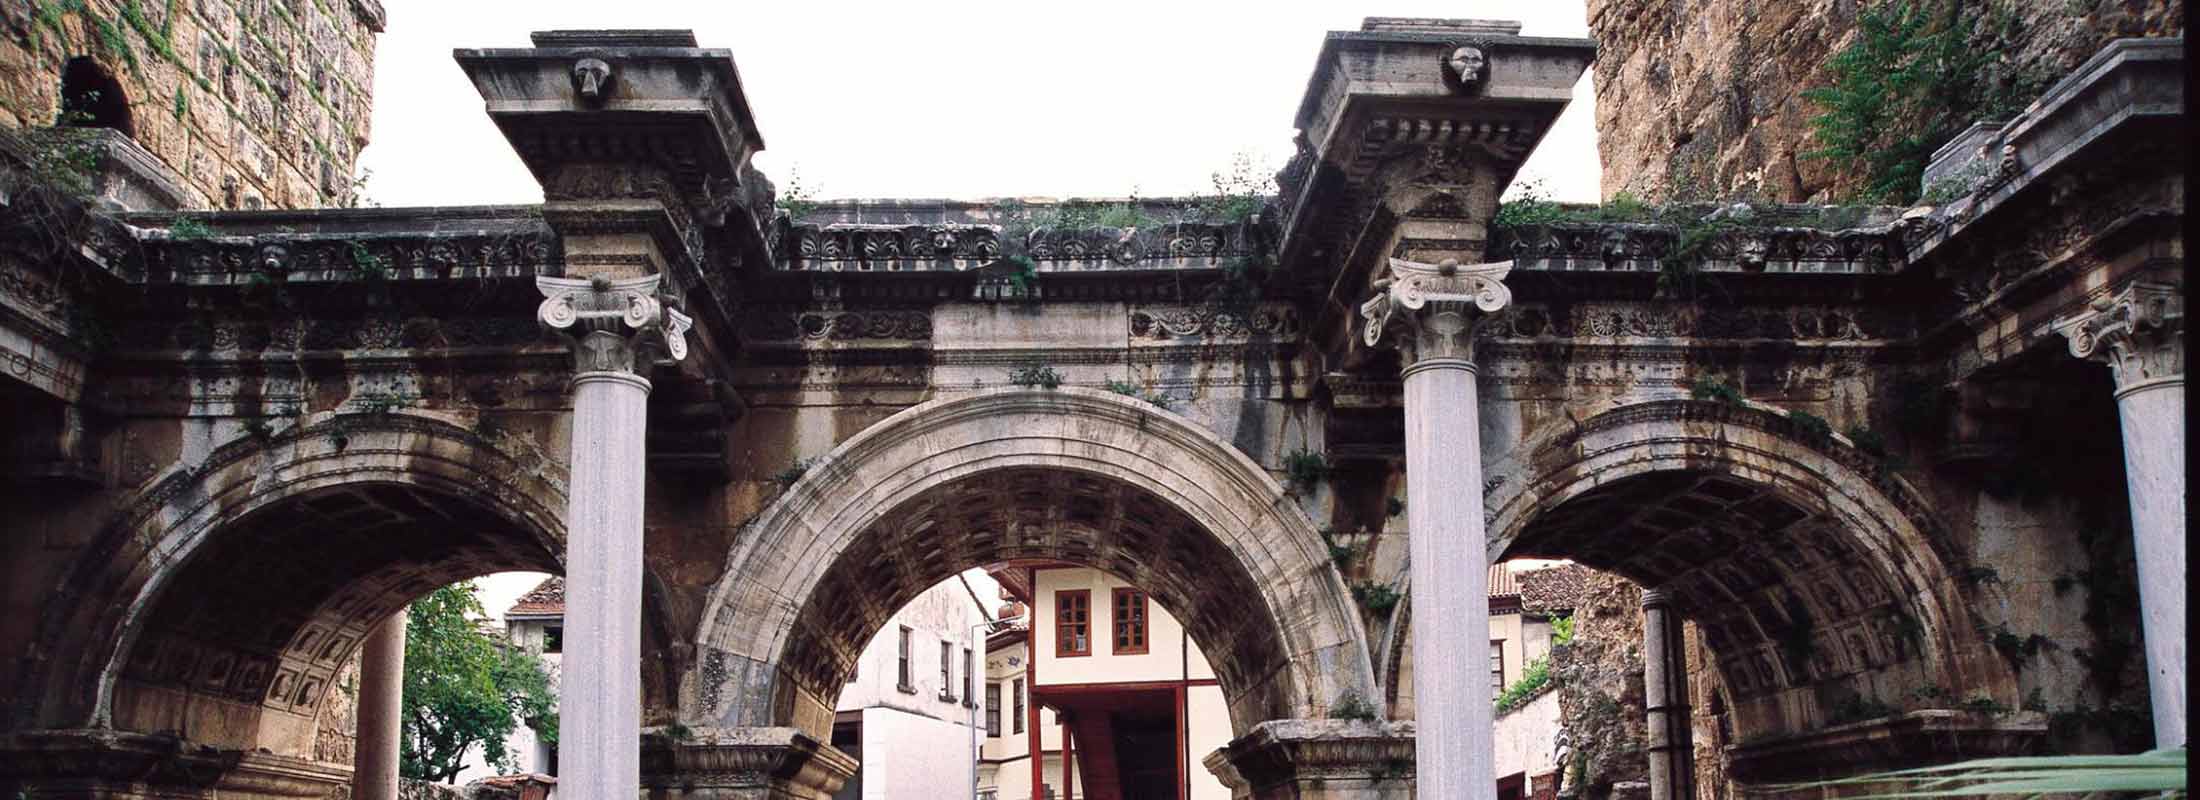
1702, 98
1600, 692
254, 103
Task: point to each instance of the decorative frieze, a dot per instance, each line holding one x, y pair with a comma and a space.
1650, 320
960, 247
1637, 247
330, 246
838, 326
1210, 322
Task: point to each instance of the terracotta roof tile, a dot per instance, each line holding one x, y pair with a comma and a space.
1553, 589
548, 597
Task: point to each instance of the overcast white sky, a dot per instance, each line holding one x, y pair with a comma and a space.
936, 99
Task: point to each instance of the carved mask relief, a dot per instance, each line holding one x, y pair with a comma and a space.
592, 80
1464, 67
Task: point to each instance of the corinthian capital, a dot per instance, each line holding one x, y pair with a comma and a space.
1434, 307
610, 321
2137, 332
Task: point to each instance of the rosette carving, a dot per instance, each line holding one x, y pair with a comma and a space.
610, 321
1434, 307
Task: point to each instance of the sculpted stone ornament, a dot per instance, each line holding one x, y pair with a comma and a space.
1464, 67
611, 320
592, 80
2138, 332
1436, 306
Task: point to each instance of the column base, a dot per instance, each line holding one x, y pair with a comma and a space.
743, 764
90, 764
1318, 759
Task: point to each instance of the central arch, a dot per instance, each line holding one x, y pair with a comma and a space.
1075, 475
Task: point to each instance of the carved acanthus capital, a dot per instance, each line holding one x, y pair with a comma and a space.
611, 321
2137, 332
1435, 307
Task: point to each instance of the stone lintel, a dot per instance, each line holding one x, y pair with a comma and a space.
1318, 758
769, 762
1403, 68
617, 238
620, 97
1466, 27
635, 37
1916, 738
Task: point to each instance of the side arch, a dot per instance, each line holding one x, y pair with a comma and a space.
155, 533
1899, 616
1298, 649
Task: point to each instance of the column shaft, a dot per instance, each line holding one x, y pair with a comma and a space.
381, 692
600, 694
1665, 696
2153, 420
1454, 752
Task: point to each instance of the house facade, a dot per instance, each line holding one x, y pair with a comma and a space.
906, 713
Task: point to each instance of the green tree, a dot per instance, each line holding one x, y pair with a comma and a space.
466, 688
1917, 73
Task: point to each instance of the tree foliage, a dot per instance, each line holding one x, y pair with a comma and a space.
465, 688
1915, 76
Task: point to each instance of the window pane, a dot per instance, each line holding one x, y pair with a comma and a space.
993, 709
1129, 621
1073, 613
903, 673
947, 670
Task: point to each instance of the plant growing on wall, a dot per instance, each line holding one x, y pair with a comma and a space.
466, 689
1533, 679
1708, 387
1913, 77
1377, 598
1305, 468
1035, 374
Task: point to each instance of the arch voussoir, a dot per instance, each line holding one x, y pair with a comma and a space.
789, 553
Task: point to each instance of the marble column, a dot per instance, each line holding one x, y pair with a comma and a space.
613, 325
1665, 698
381, 690
2139, 332
1429, 312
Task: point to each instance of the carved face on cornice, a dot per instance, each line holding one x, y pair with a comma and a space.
592, 80
1465, 64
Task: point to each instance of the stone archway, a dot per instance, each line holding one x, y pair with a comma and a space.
202, 606
1765, 536
1070, 474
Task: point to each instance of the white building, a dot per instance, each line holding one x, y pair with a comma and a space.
906, 712
535, 622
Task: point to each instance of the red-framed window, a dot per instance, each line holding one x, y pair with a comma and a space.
1130, 621
1072, 623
